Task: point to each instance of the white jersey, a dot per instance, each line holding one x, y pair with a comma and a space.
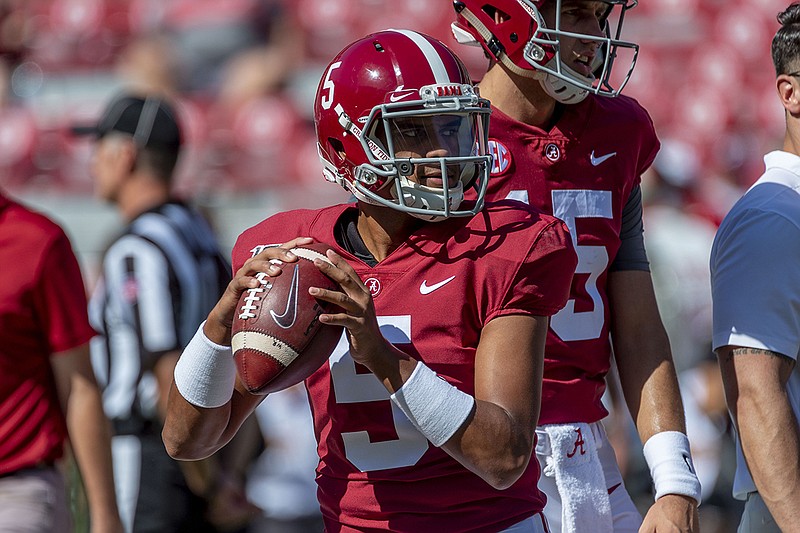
755, 279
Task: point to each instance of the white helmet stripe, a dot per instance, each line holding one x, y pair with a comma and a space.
434, 60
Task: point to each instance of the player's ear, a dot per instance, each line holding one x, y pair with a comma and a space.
123, 151
789, 93
130, 152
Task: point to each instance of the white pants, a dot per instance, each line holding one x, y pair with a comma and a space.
34, 500
756, 517
626, 517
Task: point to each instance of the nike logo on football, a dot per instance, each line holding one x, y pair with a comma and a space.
427, 289
597, 160
286, 320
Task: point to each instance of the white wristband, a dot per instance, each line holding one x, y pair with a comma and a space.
670, 461
205, 373
436, 408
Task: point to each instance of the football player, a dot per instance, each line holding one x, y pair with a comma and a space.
566, 142
423, 412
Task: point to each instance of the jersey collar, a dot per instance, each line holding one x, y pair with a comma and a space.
786, 161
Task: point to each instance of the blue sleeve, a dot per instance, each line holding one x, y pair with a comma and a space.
755, 283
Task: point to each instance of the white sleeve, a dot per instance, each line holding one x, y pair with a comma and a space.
137, 271
755, 283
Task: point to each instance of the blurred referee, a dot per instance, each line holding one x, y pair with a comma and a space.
159, 279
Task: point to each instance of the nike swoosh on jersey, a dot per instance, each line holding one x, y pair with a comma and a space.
286, 320
427, 289
597, 160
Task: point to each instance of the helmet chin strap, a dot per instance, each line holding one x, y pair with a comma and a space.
560, 89
415, 196
422, 197
564, 90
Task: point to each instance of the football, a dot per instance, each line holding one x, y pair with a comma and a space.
277, 338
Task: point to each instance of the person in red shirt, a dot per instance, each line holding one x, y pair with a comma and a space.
48, 391
566, 142
422, 413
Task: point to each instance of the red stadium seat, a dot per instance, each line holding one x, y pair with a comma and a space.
749, 35
18, 137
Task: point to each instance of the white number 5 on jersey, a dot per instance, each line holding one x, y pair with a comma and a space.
351, 388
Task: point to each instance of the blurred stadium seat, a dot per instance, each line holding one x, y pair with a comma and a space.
702, 72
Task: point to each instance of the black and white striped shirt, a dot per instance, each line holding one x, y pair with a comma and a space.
159, 280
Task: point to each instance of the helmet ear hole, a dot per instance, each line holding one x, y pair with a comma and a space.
337, 150
497, 14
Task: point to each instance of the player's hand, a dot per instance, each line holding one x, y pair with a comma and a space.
220, 319
366, 340
672, 513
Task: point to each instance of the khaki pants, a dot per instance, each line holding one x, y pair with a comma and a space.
756, 518
34, 500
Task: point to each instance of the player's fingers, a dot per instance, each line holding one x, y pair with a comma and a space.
225, 308
242, 283
338, 319
341, 272
354, 296
255, 266
299, 241
332, 271
237, 286
353, 324
348, 304
277, 254
342, 265
272, 258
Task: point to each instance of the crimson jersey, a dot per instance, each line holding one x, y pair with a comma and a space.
432, 295
42, 312
583, 171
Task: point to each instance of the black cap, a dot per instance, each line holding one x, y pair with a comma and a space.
150, 120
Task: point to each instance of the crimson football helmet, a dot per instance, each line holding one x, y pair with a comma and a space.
397, 107
514, 32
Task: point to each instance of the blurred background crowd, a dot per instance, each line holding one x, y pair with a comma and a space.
244, 73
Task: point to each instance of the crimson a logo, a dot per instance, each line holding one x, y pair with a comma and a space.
552, 152
374, 286
579, 442
501, 157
